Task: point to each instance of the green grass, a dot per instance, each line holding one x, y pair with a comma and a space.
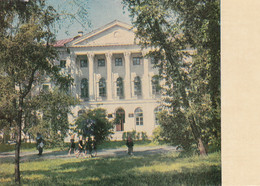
160, 169
122, 144
106, 145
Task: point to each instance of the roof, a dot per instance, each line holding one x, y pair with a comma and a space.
61, 43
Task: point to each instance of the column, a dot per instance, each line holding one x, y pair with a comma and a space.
74, 72
91, 76
127, 79
145, 79
109, 75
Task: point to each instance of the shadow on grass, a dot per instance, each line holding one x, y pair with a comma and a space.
123, 171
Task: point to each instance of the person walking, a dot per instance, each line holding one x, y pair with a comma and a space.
80, 147
88, 147
72, 144
130, 145
39, 144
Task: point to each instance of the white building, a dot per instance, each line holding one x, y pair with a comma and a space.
110, 72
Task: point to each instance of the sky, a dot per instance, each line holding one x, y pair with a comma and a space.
100, 13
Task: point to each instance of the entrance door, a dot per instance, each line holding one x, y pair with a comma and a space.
120, 115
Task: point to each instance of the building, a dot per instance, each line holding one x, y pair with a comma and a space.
110, 71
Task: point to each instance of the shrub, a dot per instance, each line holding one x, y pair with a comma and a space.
144, 136
157, 134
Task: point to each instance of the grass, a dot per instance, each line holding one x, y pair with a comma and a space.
159, 169
106, 145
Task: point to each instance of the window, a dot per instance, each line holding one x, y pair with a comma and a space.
102, 87
136, 60
120, 88
155, 85
139, 116
83, 63
84, 88
45, 88
118, 62
101, 62
137, 86
156, 110
62, 64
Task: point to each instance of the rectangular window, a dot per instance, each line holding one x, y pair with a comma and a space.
101, 62
83, 63
62, 64
118, 62
136, 60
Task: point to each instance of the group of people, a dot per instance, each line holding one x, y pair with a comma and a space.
86, 146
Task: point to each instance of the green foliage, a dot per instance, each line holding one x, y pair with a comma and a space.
102, 127
157, 134
135, 135
27, 58
176, 131
52, 122
179, 31
144, 136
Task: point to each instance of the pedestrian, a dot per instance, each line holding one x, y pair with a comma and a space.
39, 144
72, 144
88, 147
80, 147
130, 144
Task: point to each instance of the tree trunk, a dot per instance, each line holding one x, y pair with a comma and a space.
201, 147
17, 154
18, 142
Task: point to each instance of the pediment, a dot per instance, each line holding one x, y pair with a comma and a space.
115, 33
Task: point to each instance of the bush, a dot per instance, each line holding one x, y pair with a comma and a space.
135, 135
144, 136
95, 123
157, 134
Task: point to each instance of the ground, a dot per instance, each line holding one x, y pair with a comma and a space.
150, 165
48, 154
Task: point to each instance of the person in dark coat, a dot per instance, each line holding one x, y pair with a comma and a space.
80, 147
72, 144
39, 143
130, 145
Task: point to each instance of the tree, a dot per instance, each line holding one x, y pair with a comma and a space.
178, 30
26, 55
53, 122
94, 123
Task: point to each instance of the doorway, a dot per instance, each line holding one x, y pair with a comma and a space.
120, 115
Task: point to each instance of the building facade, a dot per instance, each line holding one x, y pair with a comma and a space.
111, 72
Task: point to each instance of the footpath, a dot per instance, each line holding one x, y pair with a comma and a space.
103, 153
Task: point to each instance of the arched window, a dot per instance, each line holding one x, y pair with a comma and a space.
102, 87
155, 85
120, 88
84, 88
137, 86
139, 116
156, 110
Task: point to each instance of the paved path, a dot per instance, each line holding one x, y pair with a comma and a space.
47, 154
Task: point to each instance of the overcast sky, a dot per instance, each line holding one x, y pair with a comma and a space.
101, 12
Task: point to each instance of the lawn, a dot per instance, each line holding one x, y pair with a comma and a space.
106, 145
159, 169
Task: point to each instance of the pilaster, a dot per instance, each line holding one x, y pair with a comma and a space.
127, 79
91, 76
109, 75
